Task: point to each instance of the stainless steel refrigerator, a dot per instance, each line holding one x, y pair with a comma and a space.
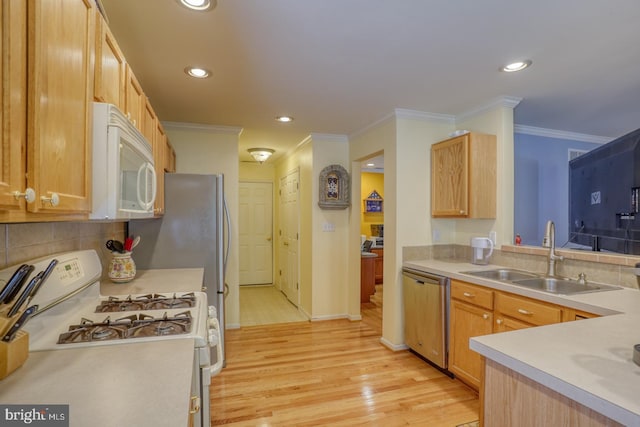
190, 234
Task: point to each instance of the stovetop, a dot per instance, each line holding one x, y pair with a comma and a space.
146, 302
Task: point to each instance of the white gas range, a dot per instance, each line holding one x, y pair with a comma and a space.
72, 313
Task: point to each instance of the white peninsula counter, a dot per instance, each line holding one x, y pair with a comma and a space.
584, 366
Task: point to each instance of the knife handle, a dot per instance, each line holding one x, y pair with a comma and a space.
13, 330
15, 283
25, 294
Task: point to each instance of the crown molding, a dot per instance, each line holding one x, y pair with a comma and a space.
371, 125
501, 101
560, 134
401, 113
231, 130
332, 137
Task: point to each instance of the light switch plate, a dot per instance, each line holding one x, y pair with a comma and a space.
493, 236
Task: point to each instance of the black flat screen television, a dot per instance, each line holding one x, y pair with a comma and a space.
604, 196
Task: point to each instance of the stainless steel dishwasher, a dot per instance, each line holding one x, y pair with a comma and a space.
426, 315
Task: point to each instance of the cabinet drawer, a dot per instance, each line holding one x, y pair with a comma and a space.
527, 310
472, 294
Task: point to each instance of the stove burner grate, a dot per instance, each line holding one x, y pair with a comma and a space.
147, 302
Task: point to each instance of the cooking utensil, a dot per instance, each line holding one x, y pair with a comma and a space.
16, 282
25, 294
26, 315
115, 246
128, 243
135, 242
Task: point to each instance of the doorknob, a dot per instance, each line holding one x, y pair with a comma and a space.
269, 239
286, 243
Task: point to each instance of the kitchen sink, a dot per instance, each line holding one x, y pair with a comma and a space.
503, 274
554, 285
563, 286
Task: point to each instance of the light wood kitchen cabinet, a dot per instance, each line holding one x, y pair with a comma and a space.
471, 315
13, 91
477, 310
379, 264
159, 148
109, 67
169, 157
134, 99
463, 177
59, 95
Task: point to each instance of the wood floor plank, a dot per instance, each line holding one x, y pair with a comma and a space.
333, 373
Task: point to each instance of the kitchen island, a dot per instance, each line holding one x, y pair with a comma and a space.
588, 362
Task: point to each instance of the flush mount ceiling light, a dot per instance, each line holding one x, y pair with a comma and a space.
516, 66
261, 154
199, 5
284, 119
197, 72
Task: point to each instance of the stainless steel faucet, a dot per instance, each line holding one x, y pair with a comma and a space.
549, 241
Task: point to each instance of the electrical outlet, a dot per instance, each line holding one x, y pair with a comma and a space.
436, 235
493, 237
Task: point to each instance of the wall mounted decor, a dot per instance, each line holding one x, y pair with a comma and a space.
334, 188
373, 202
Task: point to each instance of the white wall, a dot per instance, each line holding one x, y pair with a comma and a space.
214, 149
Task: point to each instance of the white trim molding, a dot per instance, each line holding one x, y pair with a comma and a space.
402, 113
560, 134
232, 130
501, 101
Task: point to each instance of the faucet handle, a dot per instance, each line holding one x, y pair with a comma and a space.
582, 279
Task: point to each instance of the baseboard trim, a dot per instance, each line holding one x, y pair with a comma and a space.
392, 346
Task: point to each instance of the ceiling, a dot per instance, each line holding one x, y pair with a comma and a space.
338, 66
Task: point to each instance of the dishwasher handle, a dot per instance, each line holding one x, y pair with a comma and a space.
424, 278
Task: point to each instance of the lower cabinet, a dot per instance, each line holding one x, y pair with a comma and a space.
476, 310
379, 263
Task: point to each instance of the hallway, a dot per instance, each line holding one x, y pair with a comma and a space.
264, 304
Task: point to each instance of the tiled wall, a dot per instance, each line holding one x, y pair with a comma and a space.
25, 241
598, 267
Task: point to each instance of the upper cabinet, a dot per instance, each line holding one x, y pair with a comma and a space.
109, 68
159, 148
134, 99
13, 91
46, 156
59, 97
463, 177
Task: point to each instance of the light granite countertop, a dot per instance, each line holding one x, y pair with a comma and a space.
589, 361
158, 281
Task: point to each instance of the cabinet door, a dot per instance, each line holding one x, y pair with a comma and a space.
60, 92
467, 321
134, 99
506, 324
13, 90
450, 178
159, 147
109, 68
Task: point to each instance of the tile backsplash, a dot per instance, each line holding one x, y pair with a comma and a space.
25, 241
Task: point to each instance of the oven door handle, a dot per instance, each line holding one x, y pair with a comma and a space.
215, 326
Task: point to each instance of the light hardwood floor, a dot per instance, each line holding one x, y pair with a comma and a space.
332, 373
262, 305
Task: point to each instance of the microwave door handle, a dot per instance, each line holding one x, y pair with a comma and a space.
154, 184
146, 167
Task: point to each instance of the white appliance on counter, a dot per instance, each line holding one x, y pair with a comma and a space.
190, 234
124, 178
73, 314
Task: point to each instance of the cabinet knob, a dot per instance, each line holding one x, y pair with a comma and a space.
461, 211
29, 195
499, 321
485, 316
525, 312
54, 200
468, 295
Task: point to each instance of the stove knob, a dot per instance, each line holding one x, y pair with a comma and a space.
213, 313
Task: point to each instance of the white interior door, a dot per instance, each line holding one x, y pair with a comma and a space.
289, 234
255, 230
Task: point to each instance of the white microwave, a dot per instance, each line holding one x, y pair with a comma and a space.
124, 178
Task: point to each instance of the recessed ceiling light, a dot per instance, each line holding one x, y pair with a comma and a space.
284, 119
199, 5
516, 66
371, 164
197, 72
